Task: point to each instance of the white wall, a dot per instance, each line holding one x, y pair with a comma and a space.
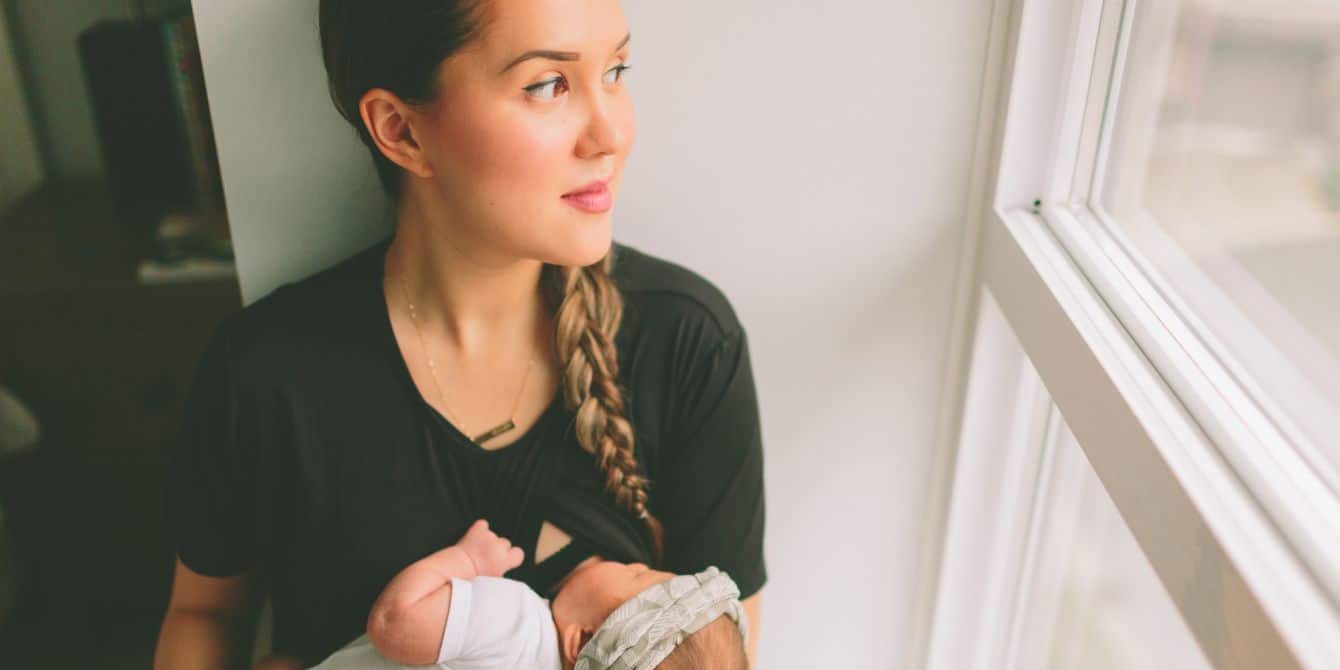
300, 189
812, 159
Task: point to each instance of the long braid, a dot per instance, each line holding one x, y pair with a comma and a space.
588, 314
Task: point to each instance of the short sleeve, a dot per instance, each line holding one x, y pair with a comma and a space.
210, 500
709, 493
496, 622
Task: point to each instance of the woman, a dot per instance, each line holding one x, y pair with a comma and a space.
498, 356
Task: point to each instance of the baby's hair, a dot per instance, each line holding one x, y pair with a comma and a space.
716, 646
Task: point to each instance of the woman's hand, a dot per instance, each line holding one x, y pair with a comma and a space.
492, 555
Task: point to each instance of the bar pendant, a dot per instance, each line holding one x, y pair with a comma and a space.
494, 432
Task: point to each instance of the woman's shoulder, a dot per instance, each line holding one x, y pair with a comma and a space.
298, 316
668, 293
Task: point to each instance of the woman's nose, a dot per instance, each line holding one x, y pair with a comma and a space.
602, 134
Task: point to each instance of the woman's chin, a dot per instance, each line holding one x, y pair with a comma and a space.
585, 246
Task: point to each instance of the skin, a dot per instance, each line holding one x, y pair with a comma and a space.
487, 165
488, 161
588, 596
597, 587
407, 622
480, 213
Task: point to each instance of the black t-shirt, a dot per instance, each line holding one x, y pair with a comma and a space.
310, 456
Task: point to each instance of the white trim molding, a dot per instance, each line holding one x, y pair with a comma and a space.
1004, 424
963, 319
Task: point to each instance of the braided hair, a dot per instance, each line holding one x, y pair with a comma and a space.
588, 310
364, 45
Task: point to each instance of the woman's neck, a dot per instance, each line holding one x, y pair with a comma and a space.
481, 302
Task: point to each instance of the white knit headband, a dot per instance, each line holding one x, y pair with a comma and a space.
640, 633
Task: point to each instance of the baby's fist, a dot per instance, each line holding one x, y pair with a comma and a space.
492, 555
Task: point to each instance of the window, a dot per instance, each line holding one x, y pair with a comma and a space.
1091, 599
1157, 254
1224, 174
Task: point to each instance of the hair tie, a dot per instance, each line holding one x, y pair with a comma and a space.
640, 633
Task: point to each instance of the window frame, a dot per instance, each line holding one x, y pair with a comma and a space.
1223, 492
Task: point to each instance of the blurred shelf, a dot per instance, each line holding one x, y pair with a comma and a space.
67, 237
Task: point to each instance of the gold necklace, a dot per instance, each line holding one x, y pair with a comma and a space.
489, 434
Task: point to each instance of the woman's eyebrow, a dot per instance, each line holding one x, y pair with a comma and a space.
556, 55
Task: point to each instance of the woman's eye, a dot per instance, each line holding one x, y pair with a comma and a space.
618, 71
533, 89
551, 85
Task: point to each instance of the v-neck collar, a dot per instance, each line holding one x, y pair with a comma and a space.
382, 311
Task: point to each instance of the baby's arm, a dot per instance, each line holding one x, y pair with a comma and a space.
409, 617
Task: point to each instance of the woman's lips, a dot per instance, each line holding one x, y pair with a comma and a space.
595, 200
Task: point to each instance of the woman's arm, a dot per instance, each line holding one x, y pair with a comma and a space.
710, 493
409, 617
752, 605
209, 624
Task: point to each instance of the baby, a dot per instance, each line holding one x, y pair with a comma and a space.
454, 609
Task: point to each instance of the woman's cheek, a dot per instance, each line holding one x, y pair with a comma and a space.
528, 159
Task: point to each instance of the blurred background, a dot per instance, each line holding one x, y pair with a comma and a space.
115, 263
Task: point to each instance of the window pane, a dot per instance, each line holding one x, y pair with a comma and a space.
1095, 602
1224, 171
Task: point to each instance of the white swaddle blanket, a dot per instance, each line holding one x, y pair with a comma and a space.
494, 623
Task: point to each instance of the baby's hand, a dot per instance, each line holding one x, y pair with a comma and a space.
492, 555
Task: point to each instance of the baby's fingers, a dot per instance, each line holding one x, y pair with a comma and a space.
479, 530
514, 557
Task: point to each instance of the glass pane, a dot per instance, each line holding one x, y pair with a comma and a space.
1094, 601
1224, 170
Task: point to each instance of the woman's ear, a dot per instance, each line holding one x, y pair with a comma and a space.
387, 119
572, 637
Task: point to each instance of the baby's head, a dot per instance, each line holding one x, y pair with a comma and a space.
707, 604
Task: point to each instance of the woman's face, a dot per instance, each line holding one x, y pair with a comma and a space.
514, 131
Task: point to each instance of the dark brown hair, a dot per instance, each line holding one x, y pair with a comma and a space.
716, 646
399, 45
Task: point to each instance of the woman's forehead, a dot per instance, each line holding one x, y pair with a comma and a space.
592, 28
